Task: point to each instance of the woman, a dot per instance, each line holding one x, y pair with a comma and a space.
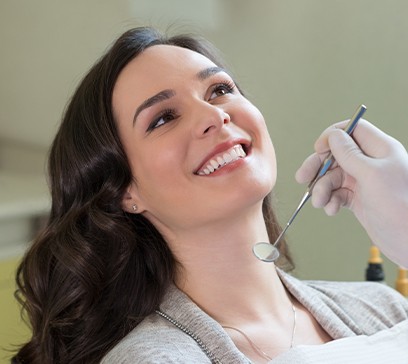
160, 176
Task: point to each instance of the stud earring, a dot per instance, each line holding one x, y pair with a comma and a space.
134, 207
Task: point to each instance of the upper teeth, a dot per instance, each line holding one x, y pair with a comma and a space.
223, 159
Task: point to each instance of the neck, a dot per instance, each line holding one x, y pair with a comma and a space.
220, 273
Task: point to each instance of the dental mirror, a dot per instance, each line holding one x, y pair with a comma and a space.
268, 252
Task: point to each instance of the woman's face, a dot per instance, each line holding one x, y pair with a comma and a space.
199, 151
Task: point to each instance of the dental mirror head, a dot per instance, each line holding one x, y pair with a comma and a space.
266, 252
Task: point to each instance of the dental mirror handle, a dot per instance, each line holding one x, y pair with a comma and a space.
268, 252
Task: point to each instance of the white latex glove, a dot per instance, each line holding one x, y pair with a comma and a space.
370, 177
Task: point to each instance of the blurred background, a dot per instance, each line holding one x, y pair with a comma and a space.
305, 64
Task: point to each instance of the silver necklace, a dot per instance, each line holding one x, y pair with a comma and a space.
256, 348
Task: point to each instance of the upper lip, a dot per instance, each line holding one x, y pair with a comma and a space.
222, 147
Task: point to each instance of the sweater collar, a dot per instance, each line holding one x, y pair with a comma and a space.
178, 306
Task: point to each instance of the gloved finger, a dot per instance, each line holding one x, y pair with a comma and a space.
339, 198
321, 144
371, 140
348, 154
325, 187
308, 170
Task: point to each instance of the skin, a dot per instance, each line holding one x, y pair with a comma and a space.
209, 221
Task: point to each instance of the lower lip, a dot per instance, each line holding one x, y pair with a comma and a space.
226, 169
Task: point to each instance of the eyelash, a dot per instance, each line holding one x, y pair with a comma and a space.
164, 114
227, 86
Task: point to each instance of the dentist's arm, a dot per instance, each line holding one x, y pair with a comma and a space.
370, 178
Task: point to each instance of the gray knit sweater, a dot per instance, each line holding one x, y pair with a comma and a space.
180, 332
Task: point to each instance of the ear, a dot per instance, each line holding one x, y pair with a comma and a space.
131, 201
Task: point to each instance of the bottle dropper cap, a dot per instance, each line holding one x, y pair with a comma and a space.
375, 255
401, 284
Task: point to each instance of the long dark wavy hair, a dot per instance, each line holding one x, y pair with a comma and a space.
95, 272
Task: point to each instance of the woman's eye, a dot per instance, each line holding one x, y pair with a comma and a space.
221, 90
163, 118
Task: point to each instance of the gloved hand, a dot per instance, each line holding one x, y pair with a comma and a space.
370, 177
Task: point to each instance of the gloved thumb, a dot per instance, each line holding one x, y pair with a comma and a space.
347, 153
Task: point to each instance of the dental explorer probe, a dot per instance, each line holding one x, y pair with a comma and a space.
268, 252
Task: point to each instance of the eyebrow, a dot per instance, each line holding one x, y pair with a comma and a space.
161, 96
208, 72
167, 94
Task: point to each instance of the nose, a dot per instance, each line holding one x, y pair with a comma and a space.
210, 119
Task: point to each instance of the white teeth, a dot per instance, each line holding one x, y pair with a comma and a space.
227, 157
214, 164
221, 160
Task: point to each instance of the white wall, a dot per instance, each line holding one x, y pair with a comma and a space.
305, 64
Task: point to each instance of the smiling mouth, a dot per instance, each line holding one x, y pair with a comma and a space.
223, 159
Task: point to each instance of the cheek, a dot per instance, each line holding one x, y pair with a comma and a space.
155, 167
264, 143
159, 171
255, 124
250, 117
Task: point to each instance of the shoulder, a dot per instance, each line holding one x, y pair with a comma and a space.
365, 302
179, 332
349, 308
155, 341
367, 293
